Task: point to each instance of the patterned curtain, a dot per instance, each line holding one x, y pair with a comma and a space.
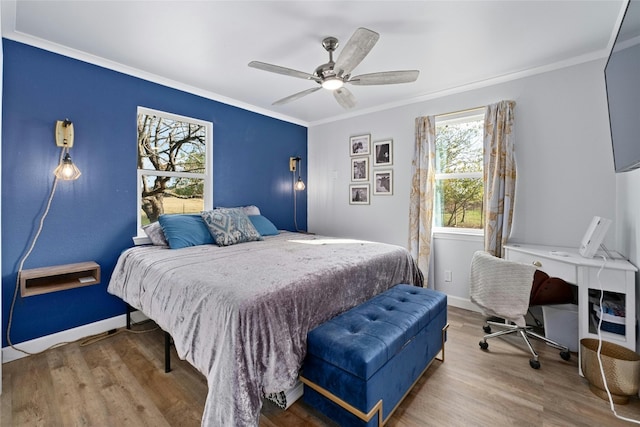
499, 175
422, 192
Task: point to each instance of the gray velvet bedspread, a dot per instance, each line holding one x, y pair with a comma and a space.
240, 314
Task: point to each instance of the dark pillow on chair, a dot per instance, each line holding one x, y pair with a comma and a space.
549, 290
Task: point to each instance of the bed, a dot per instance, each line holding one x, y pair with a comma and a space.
240, 314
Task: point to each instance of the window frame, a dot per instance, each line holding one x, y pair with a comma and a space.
458, 117
207, 176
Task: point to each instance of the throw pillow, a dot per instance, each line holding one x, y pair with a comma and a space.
263, 225
249, 209
155, 234
186, 230
229, 226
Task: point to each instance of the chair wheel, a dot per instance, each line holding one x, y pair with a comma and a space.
534, 364
565, 355
484, 345
486, 329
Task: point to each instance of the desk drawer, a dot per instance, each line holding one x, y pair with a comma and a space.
611, 280
552, 267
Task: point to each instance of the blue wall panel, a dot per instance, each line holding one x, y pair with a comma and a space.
94, 217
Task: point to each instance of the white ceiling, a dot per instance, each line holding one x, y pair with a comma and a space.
205, 46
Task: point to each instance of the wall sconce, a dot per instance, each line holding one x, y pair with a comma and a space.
298, 185
294, 163
66, 170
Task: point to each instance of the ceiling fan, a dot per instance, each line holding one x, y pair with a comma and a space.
333, 75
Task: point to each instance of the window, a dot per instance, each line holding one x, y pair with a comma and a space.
174, 172
459, 181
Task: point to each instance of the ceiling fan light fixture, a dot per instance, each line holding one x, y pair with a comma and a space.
333, 75
332, 83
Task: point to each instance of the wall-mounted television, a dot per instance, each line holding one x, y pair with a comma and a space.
622, 78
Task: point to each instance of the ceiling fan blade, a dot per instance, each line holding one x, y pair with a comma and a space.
282, 70
344, 98
296, 96
385, 78
354, 51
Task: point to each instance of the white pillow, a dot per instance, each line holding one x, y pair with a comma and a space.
156, 234
248, 210
251, 210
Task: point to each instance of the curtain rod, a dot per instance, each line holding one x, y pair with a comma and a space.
468, 110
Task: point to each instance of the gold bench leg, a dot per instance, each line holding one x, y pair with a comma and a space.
355, 411
444, 339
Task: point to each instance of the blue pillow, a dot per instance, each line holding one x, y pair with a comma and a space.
263, 225
182, 231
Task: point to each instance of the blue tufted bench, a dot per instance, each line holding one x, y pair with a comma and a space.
362, 363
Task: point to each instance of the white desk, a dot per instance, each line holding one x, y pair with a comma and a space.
617, 276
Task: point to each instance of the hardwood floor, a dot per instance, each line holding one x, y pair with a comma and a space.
120, 381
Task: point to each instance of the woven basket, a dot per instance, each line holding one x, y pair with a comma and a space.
621, 369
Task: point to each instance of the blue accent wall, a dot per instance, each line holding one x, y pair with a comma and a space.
94, 218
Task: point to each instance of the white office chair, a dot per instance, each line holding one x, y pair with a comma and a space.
502, 289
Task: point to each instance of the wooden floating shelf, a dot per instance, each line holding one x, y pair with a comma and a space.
43, 280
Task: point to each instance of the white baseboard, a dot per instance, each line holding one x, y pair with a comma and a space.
462, 303
40, 344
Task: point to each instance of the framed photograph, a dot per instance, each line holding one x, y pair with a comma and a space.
383, 182
360, 169
360, 145
359, 194
383, 153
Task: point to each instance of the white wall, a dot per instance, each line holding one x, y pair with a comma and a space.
563, 150
628, 215
453, 252
628, 220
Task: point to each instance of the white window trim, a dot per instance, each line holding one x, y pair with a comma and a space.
207, 176
457, 231
459, 175
453, 118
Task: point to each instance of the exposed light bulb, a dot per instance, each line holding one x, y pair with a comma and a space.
299, 185
66, 170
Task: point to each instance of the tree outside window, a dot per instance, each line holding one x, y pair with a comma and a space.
173, 176
459, 180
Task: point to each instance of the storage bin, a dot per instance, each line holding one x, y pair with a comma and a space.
610, 322
561, 324
373, 354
